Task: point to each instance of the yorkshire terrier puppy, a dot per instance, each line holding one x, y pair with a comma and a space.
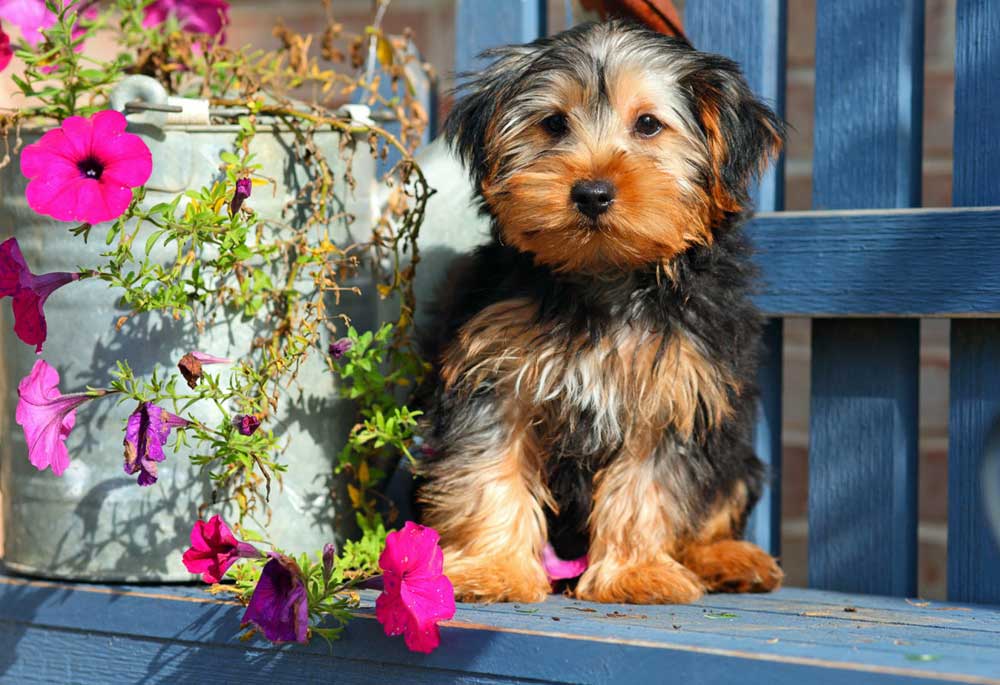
595, 362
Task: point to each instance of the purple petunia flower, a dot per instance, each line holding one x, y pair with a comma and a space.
47, 417
243, 188
147, 431
246, 424
340, 347
195, 16
214, 549
279, 606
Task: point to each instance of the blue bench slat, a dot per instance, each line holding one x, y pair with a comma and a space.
863, 420
70, 633
926, 262
973, 554
480, 25
753, 33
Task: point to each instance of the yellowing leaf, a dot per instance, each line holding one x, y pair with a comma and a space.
355, 496
364, 476
384, 290
384, 51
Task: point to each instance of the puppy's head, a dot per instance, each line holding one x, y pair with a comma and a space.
610, 146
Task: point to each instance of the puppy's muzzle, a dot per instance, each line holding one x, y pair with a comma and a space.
592, 198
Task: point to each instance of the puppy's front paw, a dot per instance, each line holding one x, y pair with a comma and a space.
487, 580
734, 566
662, 581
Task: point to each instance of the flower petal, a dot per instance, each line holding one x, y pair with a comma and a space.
29, 320
428, 600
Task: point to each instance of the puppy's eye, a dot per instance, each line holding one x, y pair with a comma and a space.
556, 125
647, 126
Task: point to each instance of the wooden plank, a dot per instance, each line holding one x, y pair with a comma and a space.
753, 32
481, 25
863, 423
973, 552
66, 633
934, 262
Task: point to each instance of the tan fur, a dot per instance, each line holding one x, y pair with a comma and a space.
632, 536
493, 535
725, 564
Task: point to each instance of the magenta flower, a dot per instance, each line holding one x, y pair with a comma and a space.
31, 16
146, 433
279, 606
214, 549
417, 594
5, 52
242, 192
86, 169
47, 417
191, 363
246, 424
340, 347
28, 291
195, 16
558, 569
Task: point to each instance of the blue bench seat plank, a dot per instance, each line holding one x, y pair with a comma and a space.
863, 417
886, 263
973, 554
72, 632
753, 33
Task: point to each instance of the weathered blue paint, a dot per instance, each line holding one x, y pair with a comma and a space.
752, 32
973, 553
940, 262
863, 425
483, 24
66, 633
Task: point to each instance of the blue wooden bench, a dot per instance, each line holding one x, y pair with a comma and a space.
864, 268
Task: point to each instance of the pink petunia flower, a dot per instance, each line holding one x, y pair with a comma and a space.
31, 16
214, 549
146, 433
5, 51
195, 16
559, 569
47, 417
86, 169
279, 606
417, 594
28, 291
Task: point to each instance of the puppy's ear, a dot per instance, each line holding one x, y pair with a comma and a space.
741, 132
481, 97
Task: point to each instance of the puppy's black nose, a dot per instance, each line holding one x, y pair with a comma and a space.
592, 198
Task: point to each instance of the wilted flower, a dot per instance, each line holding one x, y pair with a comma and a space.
147, 431
31, 16
47, 417
28, 291
559, 569
246, 424
194, 16
279, 606
340, 347
243, 188
5, 52
214, 549
86, 169
191, 363
417, 595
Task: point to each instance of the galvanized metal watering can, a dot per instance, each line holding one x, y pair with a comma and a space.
94, 523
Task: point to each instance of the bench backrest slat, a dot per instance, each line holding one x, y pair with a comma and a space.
752, 32
973, 553
863, 411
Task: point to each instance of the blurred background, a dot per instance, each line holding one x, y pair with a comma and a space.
433, 27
